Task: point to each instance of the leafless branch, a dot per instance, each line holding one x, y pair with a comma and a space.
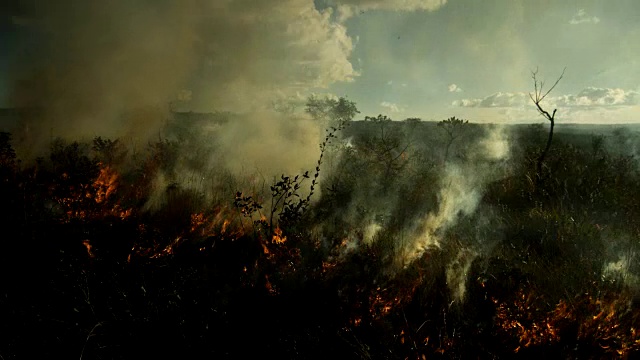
91, 333
539, 96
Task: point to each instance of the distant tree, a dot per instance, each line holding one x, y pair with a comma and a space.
389, 147
71, 162
537, 98
454, 128
337, 112
108, 151
163, 155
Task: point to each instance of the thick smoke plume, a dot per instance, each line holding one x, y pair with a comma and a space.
118, 69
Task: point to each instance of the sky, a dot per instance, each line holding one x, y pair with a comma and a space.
431, 59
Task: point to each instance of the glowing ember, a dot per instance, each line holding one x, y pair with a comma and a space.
197, 222
328, 266
269, 286
167, 250
382, 303
88, 246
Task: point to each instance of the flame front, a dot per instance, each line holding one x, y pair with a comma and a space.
609, 323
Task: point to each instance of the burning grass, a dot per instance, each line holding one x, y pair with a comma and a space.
606, 325
154, 259
89, 201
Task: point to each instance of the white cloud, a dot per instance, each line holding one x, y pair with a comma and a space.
454, 88
593, 96
390, 82
591, 105
589, 97
467, 102
499, 99
581, 17
391, 107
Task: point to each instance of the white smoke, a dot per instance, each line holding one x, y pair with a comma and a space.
370, 232
619, 270
461, 188
457, 271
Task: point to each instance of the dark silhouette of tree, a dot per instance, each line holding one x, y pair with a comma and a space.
387, 149
71, 162
537, 98
454, 128
108, 151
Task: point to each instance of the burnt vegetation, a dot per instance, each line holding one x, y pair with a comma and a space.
110, 252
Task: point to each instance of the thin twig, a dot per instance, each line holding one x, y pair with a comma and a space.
88, 337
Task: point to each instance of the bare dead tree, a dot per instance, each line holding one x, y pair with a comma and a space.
537, 98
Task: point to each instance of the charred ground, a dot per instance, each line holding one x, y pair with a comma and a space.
412, 245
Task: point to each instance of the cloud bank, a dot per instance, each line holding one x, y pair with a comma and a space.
591, 105
589, 97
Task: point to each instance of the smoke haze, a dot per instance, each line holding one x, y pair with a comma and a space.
118, 68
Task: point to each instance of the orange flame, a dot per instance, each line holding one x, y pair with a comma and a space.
277, 237
215, 223
105, 184
81, 200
